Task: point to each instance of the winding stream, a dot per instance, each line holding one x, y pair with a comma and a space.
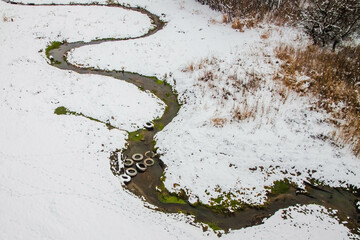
144, 184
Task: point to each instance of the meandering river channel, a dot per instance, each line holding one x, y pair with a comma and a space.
145, 184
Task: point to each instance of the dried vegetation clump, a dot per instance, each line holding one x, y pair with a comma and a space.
333, 78
237, 92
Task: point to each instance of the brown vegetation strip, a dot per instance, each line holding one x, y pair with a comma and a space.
334, 79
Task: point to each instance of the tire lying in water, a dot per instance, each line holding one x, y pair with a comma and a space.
149, 154
149, 162
141, 166
125, 178
137, 157
131, 172
149, 126
128, 162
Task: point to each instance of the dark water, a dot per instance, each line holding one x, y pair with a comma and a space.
144, 184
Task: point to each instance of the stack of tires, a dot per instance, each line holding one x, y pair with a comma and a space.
137, 163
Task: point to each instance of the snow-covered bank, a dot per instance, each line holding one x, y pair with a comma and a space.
55, 177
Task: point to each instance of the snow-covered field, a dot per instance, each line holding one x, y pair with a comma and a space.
54, 170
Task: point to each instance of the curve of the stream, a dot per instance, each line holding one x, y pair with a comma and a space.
148, 184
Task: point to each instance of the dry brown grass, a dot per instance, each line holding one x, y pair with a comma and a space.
240, 114
219, 122
197, 66
236, 24
241, 24
226, 18
334, 79
233, 89
265, 35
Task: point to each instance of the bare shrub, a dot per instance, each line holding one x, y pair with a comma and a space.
334, 79
330, 21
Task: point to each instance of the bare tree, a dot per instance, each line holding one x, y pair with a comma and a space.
331, 21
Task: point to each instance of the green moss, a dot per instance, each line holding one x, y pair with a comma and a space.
162, 179
280, 187
154, 149
64, 111
135, 136
159, 126
52, 46
213, 226
164, 198
61, 110
218, 200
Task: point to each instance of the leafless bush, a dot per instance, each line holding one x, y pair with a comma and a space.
330, 21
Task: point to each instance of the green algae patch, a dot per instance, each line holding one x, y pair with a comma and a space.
159, 125
52, 46
164, 198
64, 111
280, 187
61, 111
135, 136
213, 226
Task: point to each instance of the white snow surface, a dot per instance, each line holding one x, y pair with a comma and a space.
54, 170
